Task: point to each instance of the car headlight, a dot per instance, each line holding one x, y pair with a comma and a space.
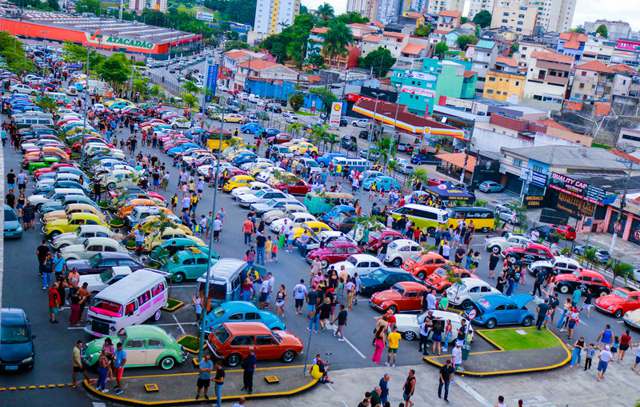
27, 360
610, 307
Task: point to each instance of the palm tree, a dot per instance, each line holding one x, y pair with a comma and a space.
620, 269
420, 175
325, 11
337, 39
319, 134
590, 256
191, 87
295, 128
364, 224
331, 139
391, 166
386, 149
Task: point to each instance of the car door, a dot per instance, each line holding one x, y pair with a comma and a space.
411, 301
267, 348
241, 344
153, 351
511, 314
474, 293
633, 302
136, 352
362, 267
373, 265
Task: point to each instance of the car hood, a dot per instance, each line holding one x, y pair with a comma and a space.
521, 299
608, 300
632, 316
11, 225
248, 198
406, 320
78, 264
289, 339
64, 237
74, 248
386, 295
57, 222
16, 352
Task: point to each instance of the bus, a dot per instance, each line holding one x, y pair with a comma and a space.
228, 139
483, 218
425, 217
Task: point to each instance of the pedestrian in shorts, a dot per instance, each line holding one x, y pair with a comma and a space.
204, 376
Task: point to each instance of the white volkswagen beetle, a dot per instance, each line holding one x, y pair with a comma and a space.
400, 250
468, 290
358, 263
91, 246
294, 218
82, 233
408, 325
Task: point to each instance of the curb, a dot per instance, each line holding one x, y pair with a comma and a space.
136, 402
430, 360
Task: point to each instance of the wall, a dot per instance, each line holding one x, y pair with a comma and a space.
488, 137
280, 90
504, 87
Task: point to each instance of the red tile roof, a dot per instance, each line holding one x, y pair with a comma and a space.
553, 124
595, 66
258, 64
413, 14
552, 57
394, 35
573, 39
450, 13
469, 74
413, 49
623, 69
507, 61
372, 38
602, 108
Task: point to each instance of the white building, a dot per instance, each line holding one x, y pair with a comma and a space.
616, 29
272, 16
388, 11
364, 7
555, 15
138, 6
438, 6
476, 6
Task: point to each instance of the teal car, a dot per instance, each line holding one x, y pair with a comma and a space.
169, 247
188, 264
383, 183
241, 311
12, 225
146, 346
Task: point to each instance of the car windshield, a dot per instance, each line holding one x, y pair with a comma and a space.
106, 275
218, 312
398, 288
352, 260
271, 202
620, 293
9, 215
14, 334
277, 337
111, 307
378, 275
440, 272
94, 261
221, 334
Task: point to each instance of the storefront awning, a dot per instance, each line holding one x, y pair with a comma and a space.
457, 159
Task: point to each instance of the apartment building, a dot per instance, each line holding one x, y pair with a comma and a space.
272, 16
388, 11
484, 58
596, 81
554, 15
615, 29
476, 6
448, 20
548, 77
518, 16
392, 41
437, 6
504, 86
572, 44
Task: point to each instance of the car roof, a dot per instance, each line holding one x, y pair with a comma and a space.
412, 285
247, 328
363, 256
404, 242
224, 268
115, 255
239, 306
101, 240
12, 315
473, 282
146, 332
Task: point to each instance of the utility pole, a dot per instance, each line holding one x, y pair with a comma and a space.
623, 203
86, 106
373, 123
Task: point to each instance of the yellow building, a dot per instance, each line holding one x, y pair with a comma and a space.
504, 87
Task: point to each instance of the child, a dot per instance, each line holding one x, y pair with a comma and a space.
268, 246
274, 253
614, 348
591, 352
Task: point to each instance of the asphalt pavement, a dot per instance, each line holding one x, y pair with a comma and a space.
53, 343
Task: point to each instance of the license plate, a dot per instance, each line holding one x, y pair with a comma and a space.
11, 368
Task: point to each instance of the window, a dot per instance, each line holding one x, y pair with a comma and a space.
109, 249
265, 340
500, 308
94, 248
188, 262
251, 316
130, 308
134, 344
154, 343
142, 299
159, 288
202, 260
242, 341
235, 317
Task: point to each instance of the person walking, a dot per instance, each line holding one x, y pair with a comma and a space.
77, 365
55, 301
542, 308
625, 342
576, 352
393, 340
444, 379
204, 376
219, 382
119, 363
384, 388
378, 343
604, 357
341, 318
606, 336
103, 372
299, 294
248, 369
281, 300
247, 230
409, 387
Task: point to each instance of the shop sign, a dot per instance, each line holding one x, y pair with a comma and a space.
533, 201
577, 188
413, 90
336, 113
127, 42
575, 206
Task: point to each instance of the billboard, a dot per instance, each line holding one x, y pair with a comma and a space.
576, 188
336, 113
212, 82
202, 16
413, 90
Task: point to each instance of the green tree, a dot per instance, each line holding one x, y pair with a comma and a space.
47, 104
352, 17
603, 31
620, 269
190, 100
296, 101
316, 60
419, 176
319, 134
483, 19
295, 128
464, 41
325, 11
337, 39
326, 96
53, 5
88, 6
13, 53
387, 149
441, 49
115, 70
380, 60
514, 48
235, 44
423, 30
191, 87
331, 139
464, 20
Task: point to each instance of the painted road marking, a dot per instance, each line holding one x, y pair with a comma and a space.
179, 326
36, 387
184, 286
470, 391
165, 324
354, 348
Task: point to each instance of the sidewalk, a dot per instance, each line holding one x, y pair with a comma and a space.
180, 388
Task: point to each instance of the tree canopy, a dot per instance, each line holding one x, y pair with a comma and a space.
116, 69
423, 30
88, 6
235, 44
13, 53
241, 11
603, 31
326, 96
337, 39
296, 101
325, 11
379, 61
483, 19
441, 49
464, 41
291, 43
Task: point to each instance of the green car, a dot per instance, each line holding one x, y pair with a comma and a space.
161, 253
46, 161
146, 345
187, 264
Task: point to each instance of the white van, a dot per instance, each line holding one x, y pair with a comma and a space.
358, 164
225, 279
33, 118
130, 301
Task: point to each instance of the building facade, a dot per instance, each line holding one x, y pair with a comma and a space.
504, 86
476, 6
437, 6
518, 16
548, 77
272, 16
615, 29
555, 15
138, 6
484, 59
388, 11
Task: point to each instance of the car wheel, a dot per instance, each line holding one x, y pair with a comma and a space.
466, 304
288, 356
422, 275
157, 315
324, 264
564, 289
491, 323
602, 293
485, 230
167, 363
409, 336
527, 321
234, 360
178, 277
618, 314
512, 259
396, 262
71, 258
495, 249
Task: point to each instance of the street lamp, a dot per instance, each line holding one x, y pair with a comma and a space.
375, 112
618, 223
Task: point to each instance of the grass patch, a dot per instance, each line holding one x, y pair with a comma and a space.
190, 343
509, 339
173, 305
303, 113
601, 145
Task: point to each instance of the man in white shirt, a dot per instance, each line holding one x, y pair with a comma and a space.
456, 357
299, 294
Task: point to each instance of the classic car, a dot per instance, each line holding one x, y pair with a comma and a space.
528, 254
468, 290
408, 325
440, 279
156, 238
260, 196
91, 246
170, 247
12, 225
632, 319
358, 263
294, 219
146, 346
72, 208
241, 311
619, 302
401, 297
80, 235
498, 309
557, 265
333, 252
237, 181
310, 228
379, 238
400, 251
500, 243
71, 223
422, 265
233, 341
104, 261
382, 279
187, 264
99, 281
568, 283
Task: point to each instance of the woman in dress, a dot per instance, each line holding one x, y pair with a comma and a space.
281, 297
378, 344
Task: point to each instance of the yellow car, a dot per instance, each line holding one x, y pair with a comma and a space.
72, 208
233, 118
309, 228
156, 238
237, 181
128, 206
154, 222
71, 223
301, 147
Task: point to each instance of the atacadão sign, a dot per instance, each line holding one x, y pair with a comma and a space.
129, 42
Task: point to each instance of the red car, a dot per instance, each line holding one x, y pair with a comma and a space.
565, 231
295, 187
381, 238
528, 254
402, 296
568, 283
53, 168
422, 265
280, 138
336, 251
620, 301
439, 279
232, 342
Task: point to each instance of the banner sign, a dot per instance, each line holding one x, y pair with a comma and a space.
212, 82
412, 90
576, 188
533, 201
336, 113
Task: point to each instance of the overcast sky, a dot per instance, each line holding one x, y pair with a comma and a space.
586, 10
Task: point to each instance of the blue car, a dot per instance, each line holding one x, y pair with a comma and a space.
12, 225
421, 158
383, 183
251, 128
491, 186
271, 132
244, 158
241, 311
181, 149
328, 157
338, 210
498, 309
